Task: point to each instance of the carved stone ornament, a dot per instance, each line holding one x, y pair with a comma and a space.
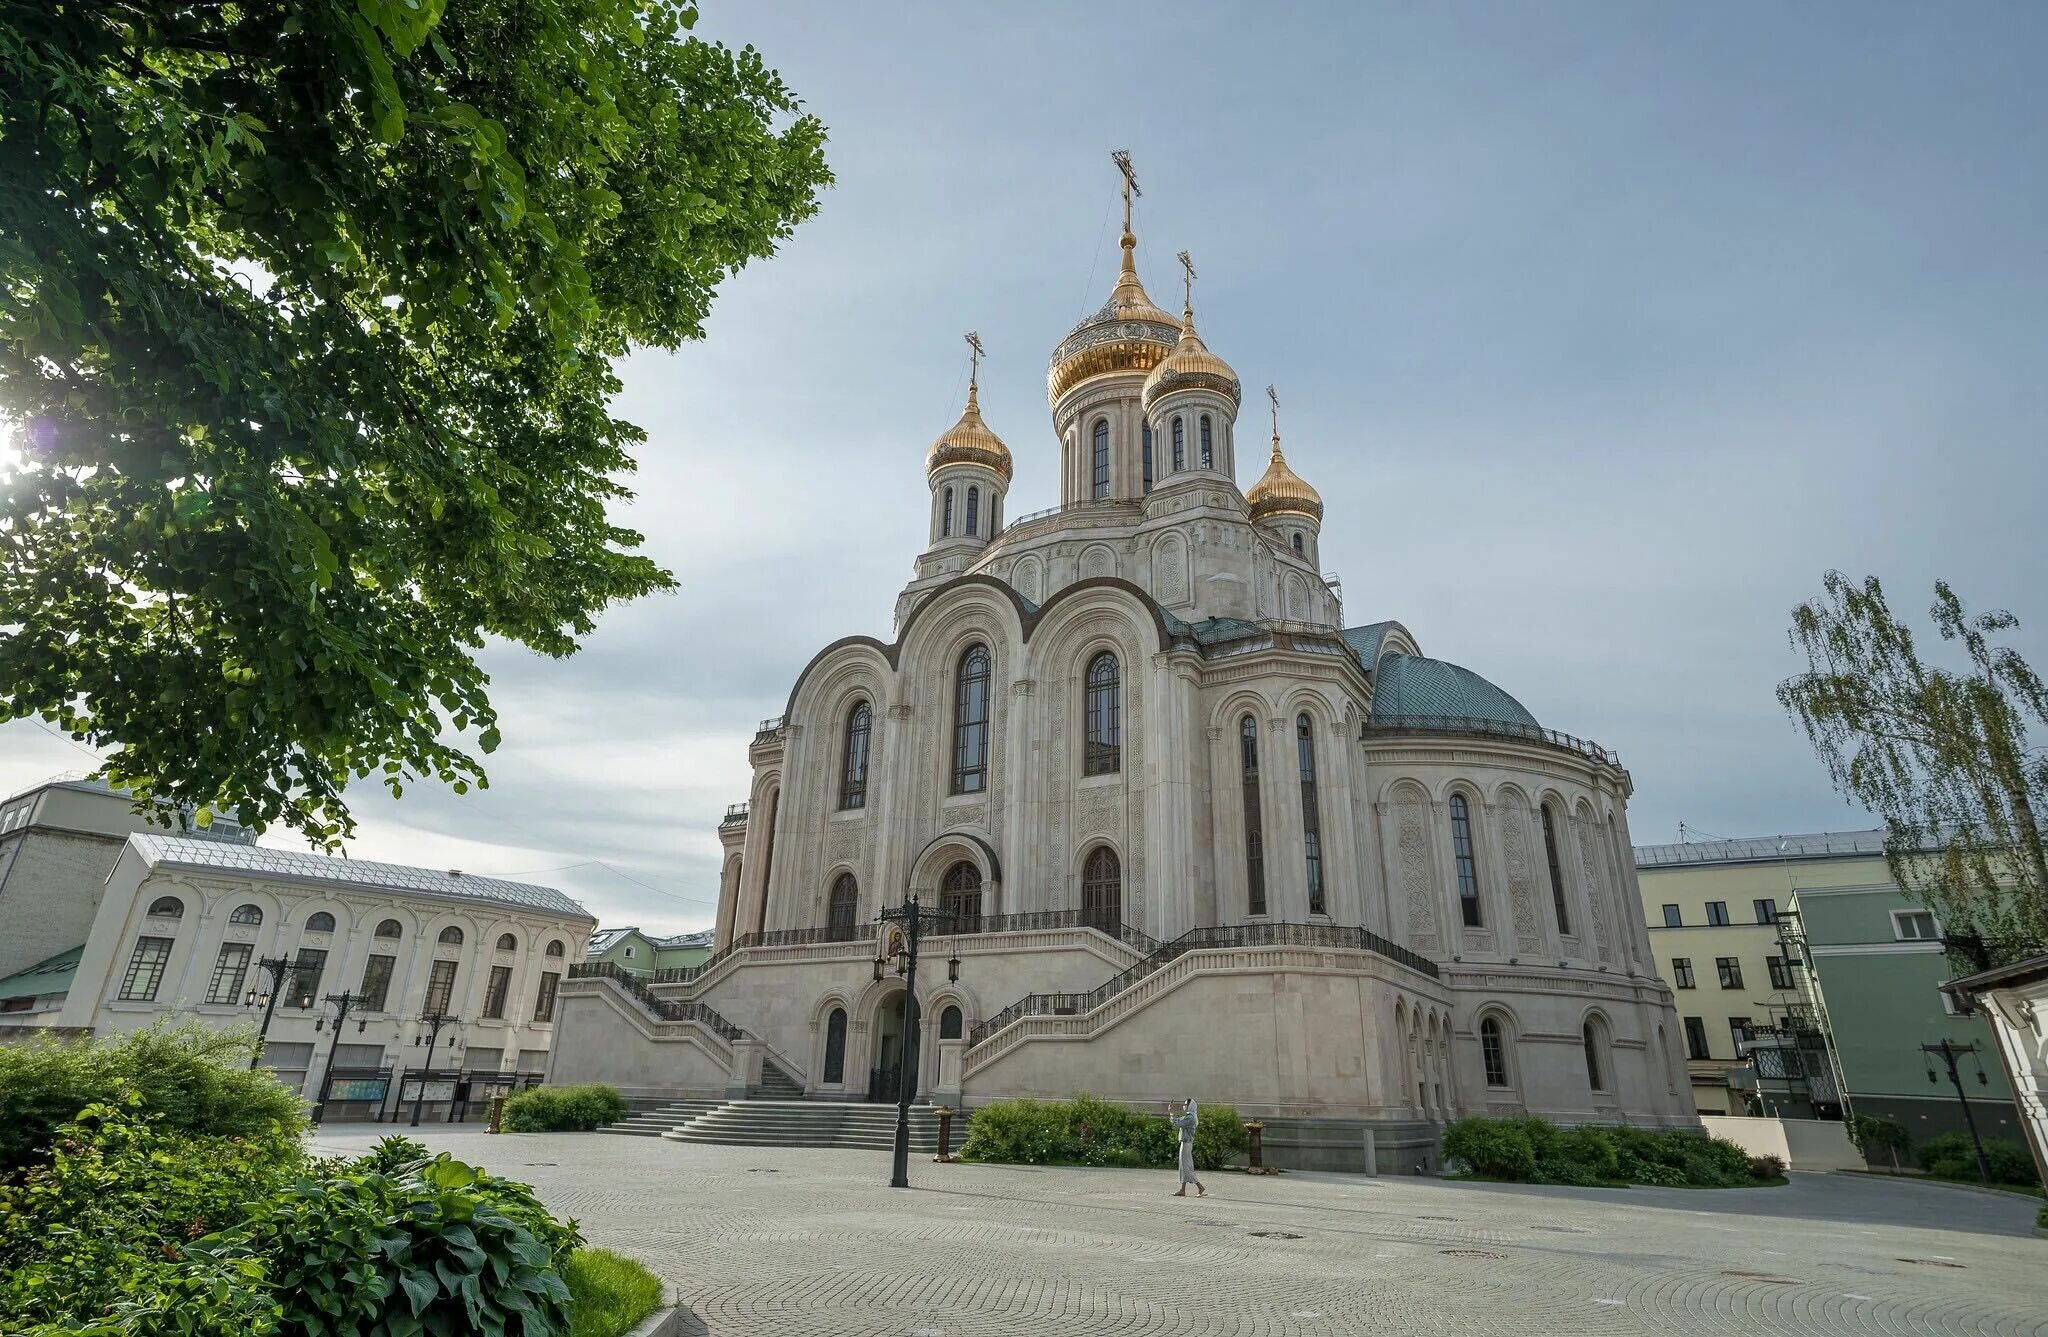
1603, 947
1100, 810
848, 843
1412, 824
969, 814
1514, 841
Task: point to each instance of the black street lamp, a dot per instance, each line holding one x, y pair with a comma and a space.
342, 1003
433, 1021
914, 922
267, 1000
1950, 1051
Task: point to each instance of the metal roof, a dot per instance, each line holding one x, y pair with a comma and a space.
305, 866
1763, 849
44, 977
605, 939
1365, 642
1410, 686
702, 938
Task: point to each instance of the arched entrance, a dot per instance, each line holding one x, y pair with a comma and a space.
892, 1058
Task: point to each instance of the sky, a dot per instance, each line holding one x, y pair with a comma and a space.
1603, 330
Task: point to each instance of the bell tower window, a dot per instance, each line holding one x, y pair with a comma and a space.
1100, 456
970, 723
1180, 446
1148, 458
1297, 545
1254, 832
973, 509
946, 515
1208, 453
1311, 819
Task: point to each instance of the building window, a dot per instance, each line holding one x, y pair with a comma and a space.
842, 907
246, 914
970, 722
1717, 912
1146, 481
1254, 831
389, 929
544, 1002
1208, 452
973, 511
1781, 972
628, 953
494, 992
167, 907
835, 1046
320, 922
1596, 1074
1103, 754
1914, 926
951, 1023
1102, 890
440, 988
555, 948
1493, 1052
1738, 1031
507, 943
946, 514
1696, 1039
853, 781
304, 988
960, 895
1180, 447
1766, 910
1564, 919
1672, 919
451, 937
1468, 867
228, 971
1730, 970
1311, 819
1297, 545
1100, 461
1681, 972
376, 982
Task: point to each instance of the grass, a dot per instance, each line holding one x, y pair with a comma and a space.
609, 1293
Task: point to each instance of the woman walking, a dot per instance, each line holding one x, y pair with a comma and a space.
1185, 1121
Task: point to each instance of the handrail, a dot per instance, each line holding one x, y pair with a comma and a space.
959, 926
1585, 747
1223, 935
735, 815
769, 728
664, 1008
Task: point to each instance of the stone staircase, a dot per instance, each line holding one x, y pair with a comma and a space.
810, 1123
775, 1084
659, 1119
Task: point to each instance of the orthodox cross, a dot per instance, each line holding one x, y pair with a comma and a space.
1274, 396
1187, 283
1122, 159
974, 358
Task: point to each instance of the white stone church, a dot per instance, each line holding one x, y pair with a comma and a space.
1194, 835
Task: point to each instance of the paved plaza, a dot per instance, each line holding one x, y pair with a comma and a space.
806, 1243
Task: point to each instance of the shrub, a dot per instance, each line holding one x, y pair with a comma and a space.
1492, 1147
1021, 1132
1537, 1151
1767, 1167
557, 1109
1220, 1137
608, 1293
1954, 1156
187, 1079
1090, 1131
1877, 1136
1594, 1150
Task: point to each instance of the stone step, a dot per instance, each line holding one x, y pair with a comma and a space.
658, 1120
806, 1124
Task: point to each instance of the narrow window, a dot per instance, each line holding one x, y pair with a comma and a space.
450, 937
1103, 753
1717, 912
1564, 918
960, 896
1148, 457
946, 514
1180, 446
320, 922
507, 943
167, 907
1738, 1031
1311, 820
1681, 973
246, 914
973, 510
1208, 451
376, 982
1102, 890
440, 988
1101, 459
1781, 972
767, 864
951, 1023
1696, 1039
1254, 832
1297, 545
842, 907
1596, 1077
970, 722
1672, 918
494, 992
835, 1046
853, 782
1493, 1052
544, 1002
303, 990
1766, 910
228, 971
1730, 970
1468, 867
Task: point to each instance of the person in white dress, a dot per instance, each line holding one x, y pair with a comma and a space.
1185, 1121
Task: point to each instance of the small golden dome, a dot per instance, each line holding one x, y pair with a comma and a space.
970, 441
1128, 333
1282, 491
1191, 366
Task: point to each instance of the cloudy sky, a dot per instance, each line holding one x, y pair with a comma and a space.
1603, 330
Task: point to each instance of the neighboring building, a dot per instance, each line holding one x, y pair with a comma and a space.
35, 996
1193, 833
2013, 1000
641, 954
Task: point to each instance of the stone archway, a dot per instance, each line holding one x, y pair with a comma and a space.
893, 1050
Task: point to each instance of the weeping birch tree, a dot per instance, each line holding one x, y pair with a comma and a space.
1940, 754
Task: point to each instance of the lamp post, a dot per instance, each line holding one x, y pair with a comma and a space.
267, 1000
433, 1021
1950, 1051
342, 1003
913, 920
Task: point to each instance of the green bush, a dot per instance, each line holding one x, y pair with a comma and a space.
1492, 1147
558, 1109
187, 1079
608, 1293
1089, 1131
1220, 1137
1878, 1137
1954, 1156
1767, 1167
1536, 1151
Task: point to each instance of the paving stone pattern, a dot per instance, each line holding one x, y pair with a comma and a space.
813, 1243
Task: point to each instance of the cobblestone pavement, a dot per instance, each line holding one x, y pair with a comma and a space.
801, 1243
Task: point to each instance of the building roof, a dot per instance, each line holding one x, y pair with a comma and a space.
305, 866
44, 977
1763, 849
1409, 688
703, 938
1365, 642
605, 939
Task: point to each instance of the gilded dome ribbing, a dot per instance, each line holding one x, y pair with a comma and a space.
1191, 366
1283, 491
1128, 333
970, 441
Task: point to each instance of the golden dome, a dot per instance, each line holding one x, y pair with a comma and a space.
1191, 366
1128, 333
1282, 490
970, 441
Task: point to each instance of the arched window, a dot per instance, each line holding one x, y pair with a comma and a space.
246, 914
555, 948
1493, 1052
951, 1023
1564, 917
1100, 461
1104, 752
1254, 830
167, 907
970, 722
842, 907
946, 514
1311, 819
507, 943
320, 922
1102, 891
1180, 446
1468, 867
835, 1045
1297, 545
1596, 1073
767, 863
390, 928
1208, 452
853, 782
450, 936
973, 511
1147, 458
960, 895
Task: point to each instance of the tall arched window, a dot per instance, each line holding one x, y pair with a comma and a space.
1468, 867
1100, 459
767, 862
246, 914
835, 1046
960, 895
1104, 752
842, 908
1147, 482
951, 1023
1564, 917
1298, 552
946, 514
1102, 890
1596, 1071
853, 781
320, 922
1208, 451
970, 722
1254, 830
1180, 446
1311, 819
973, 511
1493, 1052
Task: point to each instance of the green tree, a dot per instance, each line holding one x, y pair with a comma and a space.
1940, 755
307, 313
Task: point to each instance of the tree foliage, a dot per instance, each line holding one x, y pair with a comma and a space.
1941, 756
306, 320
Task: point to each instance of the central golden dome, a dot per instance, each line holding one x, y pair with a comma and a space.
1281, 490
1191, 366
1128, 333
970, 441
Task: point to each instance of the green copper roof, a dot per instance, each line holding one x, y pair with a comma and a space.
1409, 687
44, 977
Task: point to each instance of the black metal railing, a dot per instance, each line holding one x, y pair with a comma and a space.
1194, 940
735, 815
1468, 724
769, 729
664, 1008
962, 925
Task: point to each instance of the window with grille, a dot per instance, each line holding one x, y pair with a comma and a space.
946, 514
1681, 973
1717, 912
960, 892
544, 1002
1730, 970
853, 780
1180, 446
1781, 972
970, 722
1254, 833
440, 988
1146, 481
835, 1046
303, 989
495, 990
229, 970
1100, 461
1311, 818
950, 1024
376, 982
246, 914
1103, 754
1468, 866
842, 907
1766, 910
1208, 452
1493, 1052
1102, 890
973, 511
1564, 918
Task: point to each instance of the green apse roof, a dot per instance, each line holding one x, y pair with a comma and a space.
1411, 688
